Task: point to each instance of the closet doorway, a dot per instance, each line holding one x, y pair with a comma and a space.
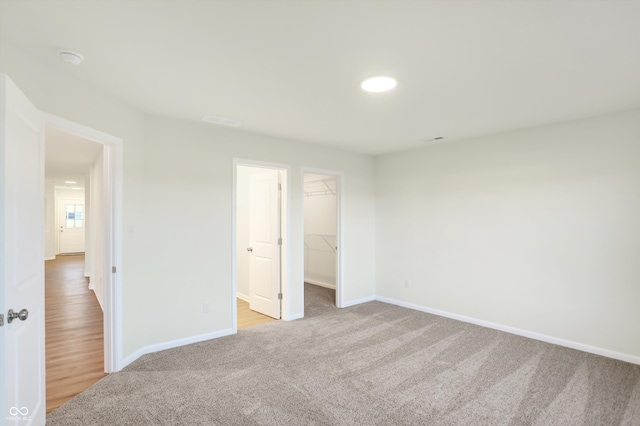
321, 242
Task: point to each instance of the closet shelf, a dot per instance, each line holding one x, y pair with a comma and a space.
325, 186
320, 240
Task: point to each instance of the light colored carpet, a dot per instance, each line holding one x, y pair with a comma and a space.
318, 300
371, 364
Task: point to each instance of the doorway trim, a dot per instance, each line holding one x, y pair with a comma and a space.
339, 234
285, 256
112, 223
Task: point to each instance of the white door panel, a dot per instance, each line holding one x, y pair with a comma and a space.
261, 286
22, 368
71, 226
264, 232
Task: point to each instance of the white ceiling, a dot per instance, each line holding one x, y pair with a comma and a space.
292, 69
68, 158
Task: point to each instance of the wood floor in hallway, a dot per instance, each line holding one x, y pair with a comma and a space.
248, 318
74, 336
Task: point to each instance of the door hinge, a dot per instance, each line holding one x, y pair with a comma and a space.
279, 296
113, 269
280, 186
1, 320
279, 241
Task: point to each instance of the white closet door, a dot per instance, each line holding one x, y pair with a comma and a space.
264, 236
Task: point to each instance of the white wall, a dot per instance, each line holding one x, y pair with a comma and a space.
88, 252
319, 220
95, 225
177, 181
50, 231
537, 230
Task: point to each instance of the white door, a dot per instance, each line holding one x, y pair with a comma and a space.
71, 225
22, 367
264, 236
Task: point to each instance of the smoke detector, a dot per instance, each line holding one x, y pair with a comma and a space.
70, 57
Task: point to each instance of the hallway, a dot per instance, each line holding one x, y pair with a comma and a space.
74, 333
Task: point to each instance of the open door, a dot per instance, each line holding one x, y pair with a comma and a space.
22, 360
265, 239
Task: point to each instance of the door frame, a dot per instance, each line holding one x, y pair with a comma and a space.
112, 227
339, 234
285, 224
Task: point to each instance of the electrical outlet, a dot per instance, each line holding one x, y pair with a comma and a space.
406, 283
205, 307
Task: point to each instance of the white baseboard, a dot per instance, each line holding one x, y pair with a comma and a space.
50, 258
320, 283
87, 275
525, 333
242, 296
98, 296
348, 303
173, 344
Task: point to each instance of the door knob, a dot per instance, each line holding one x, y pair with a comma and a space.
249, 249
22, 315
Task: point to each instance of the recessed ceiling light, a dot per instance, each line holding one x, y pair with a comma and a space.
378, 84
221, 120
70, 57
70, 182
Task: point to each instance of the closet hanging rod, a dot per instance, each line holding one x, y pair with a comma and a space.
314, 193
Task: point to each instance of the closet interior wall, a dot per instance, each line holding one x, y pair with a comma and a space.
320, 229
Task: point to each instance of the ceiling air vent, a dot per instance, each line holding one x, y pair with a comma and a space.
221, 121
434, 140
